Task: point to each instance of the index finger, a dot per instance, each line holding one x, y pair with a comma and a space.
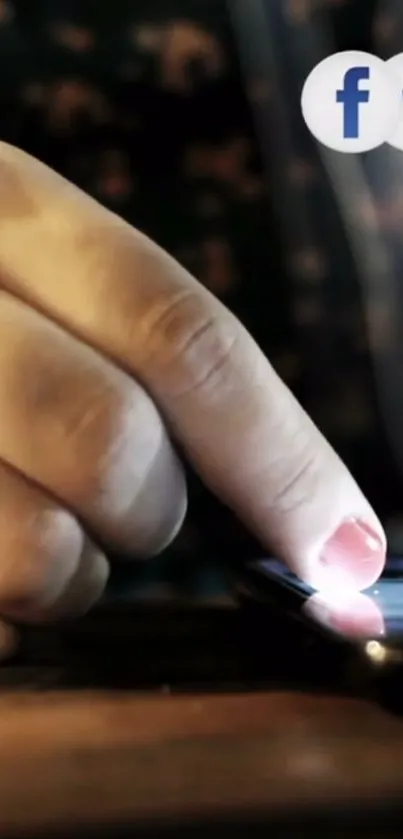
241, 427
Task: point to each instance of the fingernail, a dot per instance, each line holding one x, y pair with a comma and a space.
355, 551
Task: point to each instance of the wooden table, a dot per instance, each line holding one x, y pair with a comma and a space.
113, 759
83, 746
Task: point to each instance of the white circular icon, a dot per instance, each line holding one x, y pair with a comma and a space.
351, 102
396, 65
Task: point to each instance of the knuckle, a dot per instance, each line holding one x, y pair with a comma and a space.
71, 414
81, 422
190, 344
94, 431
89, 423
112, 443
94, 434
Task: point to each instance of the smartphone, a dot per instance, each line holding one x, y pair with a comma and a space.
368, 624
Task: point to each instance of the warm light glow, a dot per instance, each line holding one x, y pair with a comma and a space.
376, 651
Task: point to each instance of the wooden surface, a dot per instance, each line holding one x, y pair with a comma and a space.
115, 758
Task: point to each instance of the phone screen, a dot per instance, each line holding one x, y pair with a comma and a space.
376, 612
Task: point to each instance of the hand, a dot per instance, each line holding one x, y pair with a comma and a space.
106, 343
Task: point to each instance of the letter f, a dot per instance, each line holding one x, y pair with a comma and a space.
350, 97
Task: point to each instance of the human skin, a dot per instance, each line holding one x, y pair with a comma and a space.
110, 353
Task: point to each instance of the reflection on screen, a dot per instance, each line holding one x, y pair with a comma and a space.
388, 595
375, 612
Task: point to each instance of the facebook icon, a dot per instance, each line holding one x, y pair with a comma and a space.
350, 96
352, 101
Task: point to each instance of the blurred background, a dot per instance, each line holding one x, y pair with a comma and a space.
183, 117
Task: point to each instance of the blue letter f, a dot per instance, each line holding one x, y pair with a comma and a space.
350, 96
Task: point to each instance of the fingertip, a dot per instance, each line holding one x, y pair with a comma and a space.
352, 558
85, 588
79, 595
